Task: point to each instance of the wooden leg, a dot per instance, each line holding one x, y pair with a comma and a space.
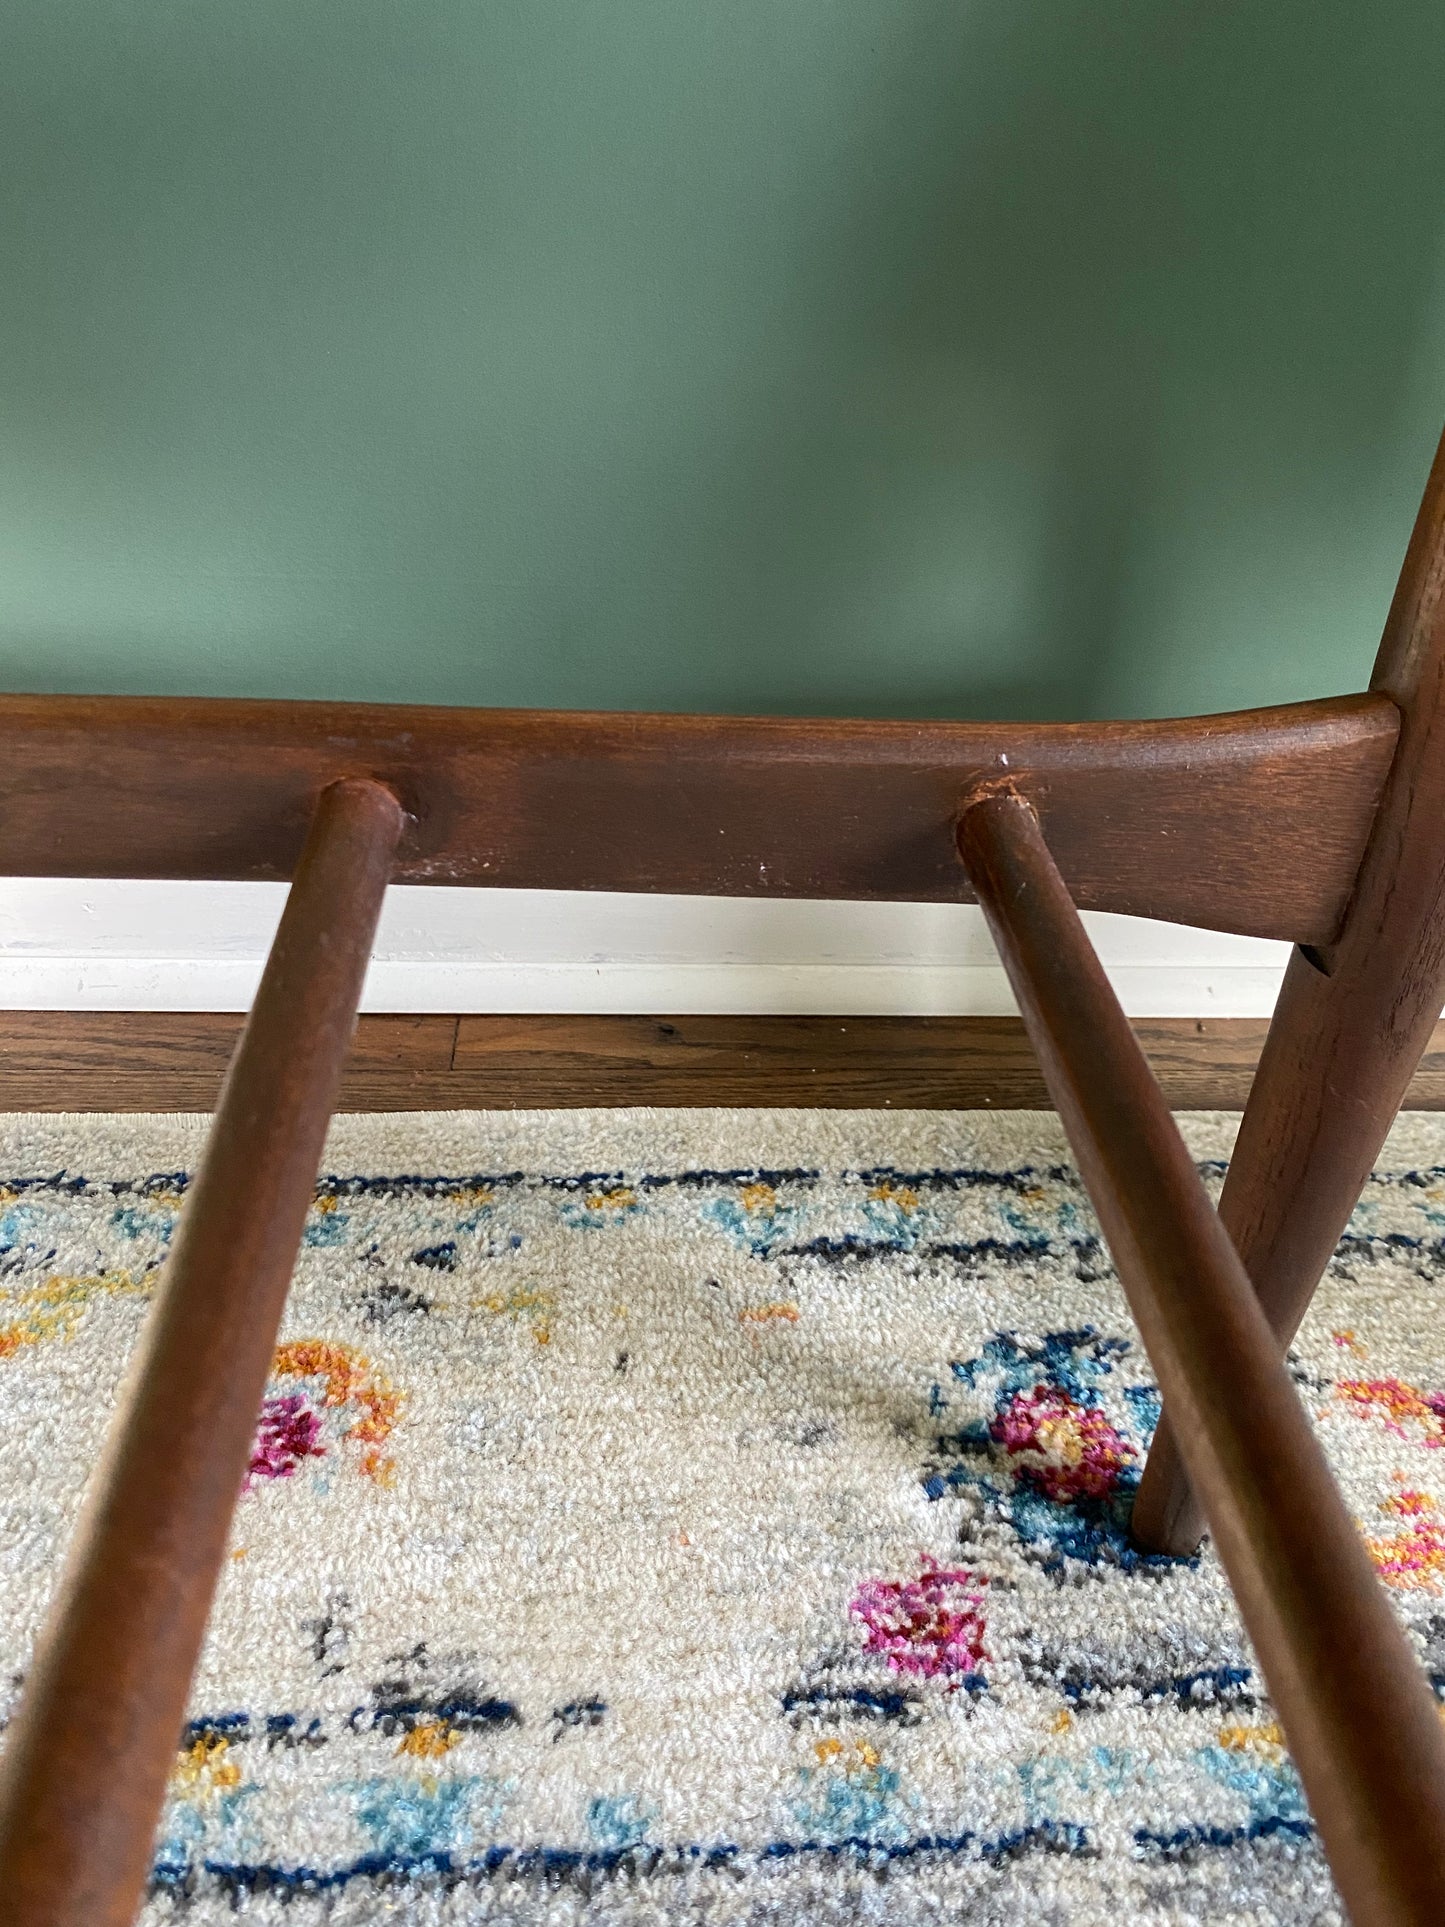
1358, 1712
1352, 1021
86, 1760
1327, 1089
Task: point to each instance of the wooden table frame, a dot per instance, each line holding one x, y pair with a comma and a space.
1321, 822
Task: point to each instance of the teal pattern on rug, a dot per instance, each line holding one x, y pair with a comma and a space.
710, 1517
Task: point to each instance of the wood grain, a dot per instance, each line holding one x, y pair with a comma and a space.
1357, 1710
86, 1759
1352, 1019
174, 1061
1252, 822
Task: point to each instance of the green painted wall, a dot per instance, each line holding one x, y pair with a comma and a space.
1054, 357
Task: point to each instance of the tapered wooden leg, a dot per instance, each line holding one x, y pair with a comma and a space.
1329, 1083
1356, 1708
86, 1760
1352, 1020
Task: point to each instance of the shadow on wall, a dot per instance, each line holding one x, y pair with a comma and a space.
1056, 359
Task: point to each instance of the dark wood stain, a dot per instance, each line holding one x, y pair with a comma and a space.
1360, 1717
86, 1760
1319, 822
1352, 1019
1251, 822
174, 1061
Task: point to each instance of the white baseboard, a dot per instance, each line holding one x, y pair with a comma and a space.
71, 945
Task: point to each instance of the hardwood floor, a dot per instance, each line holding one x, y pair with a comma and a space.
136, 1060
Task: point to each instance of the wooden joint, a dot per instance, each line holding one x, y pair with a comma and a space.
1253, 822
1358, 1713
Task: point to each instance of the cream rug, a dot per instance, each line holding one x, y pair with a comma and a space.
710, 1517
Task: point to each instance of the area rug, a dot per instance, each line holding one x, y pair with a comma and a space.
710, 1517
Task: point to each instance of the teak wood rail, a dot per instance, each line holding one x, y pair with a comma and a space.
1321, 822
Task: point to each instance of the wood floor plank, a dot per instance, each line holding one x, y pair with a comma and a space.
174, 1060
148, 1061
44, 1042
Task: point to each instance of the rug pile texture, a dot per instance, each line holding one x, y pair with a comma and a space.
710, 1517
